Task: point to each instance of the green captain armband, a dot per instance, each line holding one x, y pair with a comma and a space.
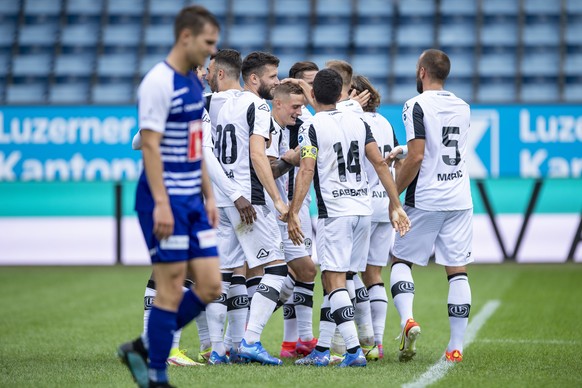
309, 152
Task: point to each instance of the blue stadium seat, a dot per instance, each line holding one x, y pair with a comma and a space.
218, 7
9, 8
148, 61
331, 36
404, 88
4, 63
573, 89
416, 8
27, 65
541, 7
69, 93
7, 33
321, 59
165, 8
373, 37
456, 8
573, 36
117, 65
289, 35
121, 36
501, 7
83, 11
381, 85
28, 93
161, 35
286, 61
372, 65
462, 62
539, 89
456, 34
415, 35
573, 64
292, 11
497, 64
79, 37
125, 7
541, 62
113, 93
374, 11
250, 11
461, 87
501, 33
405, 64
540, 33
40, 35
333, 11
574, 7
496, 90
247, 37
42, 8
74, 65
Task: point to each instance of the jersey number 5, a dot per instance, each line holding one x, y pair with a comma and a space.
353, 161
226, 145
452, 144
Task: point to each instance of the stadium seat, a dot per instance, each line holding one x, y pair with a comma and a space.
290, 35
496, 90
117, 65
541, 7
497, 64
403, 89
333, 11
542, 32
574, 8
248, 37
573, 64
411, 9
28, 93
121, 36
165, 8
218, 7
84, 11
573, 36
113, 93
286, 61
414, 35
321, 59
461, 87
373, 37
161, 35
374, 11
501, 7
405, 64
541, 62
329, 36
457, 34
132, 8
372, 65
77, 65
69, 93
39, 35
250, 11
458, 8
7, 33
4, 63
573, 89
287, 11
462, 62
495, 33
9, 8
31, 65
148, 61
42, 8
539, 89
79, 37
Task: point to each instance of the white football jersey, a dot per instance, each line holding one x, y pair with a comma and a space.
239, 118
279, 145
351, 105
339, 140
386, 139
442, 119
215, 101
294, 142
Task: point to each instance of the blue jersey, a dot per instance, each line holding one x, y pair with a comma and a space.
171, 103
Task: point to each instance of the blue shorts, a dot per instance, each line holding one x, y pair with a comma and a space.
193, 237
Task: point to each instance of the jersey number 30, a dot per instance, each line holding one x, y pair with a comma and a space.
353, 161
226, 144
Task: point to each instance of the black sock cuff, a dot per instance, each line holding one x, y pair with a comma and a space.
307, 286
376, 285
277, 270
254, 281
337, 290
406, 263
238, 280
151, 284
451, 277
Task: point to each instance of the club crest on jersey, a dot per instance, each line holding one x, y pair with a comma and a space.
307, 243
264, 107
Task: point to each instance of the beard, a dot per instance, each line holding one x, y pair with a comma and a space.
213, 83
419, 87
265, 92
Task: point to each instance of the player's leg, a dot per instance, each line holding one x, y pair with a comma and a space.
414, 248
381, 237
453, 250
237, 312
216, 317
289, 317
305, 271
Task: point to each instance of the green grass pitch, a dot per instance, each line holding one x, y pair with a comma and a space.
60, 326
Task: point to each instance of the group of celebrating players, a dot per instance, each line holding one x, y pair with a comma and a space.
224, 202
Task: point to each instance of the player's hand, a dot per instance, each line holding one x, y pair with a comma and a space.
294, 228
211, 212
292, 156
163, 220
394, 154
361, 98
304, 85
399, 219
247, 212
282, 208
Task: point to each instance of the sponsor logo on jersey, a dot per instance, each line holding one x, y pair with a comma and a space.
175, 242
262, 253
349, 193
264, 107
450, 176
206, 238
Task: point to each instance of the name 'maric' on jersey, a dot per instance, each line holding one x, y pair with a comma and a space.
340, 181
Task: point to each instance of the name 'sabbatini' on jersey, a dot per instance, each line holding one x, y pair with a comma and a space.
339, 140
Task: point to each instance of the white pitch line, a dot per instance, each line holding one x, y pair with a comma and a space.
527, 342
440, 369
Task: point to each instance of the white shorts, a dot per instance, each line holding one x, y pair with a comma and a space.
291, 250
450, 233
343, 242
258, 243
381, 239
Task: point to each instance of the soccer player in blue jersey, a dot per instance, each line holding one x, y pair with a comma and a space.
175, 220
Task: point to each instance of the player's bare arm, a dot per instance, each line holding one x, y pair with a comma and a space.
279, 167
263, 170
209, 201
152, 161
410, 165
302, 182
398, 216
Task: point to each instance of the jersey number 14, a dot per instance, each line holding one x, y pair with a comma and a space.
353, 160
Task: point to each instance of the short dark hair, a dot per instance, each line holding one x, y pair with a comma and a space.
194, 17
436, 63
255, 62
286, 89
327, 86
361, 83
228, 60
343, 68
299, 68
